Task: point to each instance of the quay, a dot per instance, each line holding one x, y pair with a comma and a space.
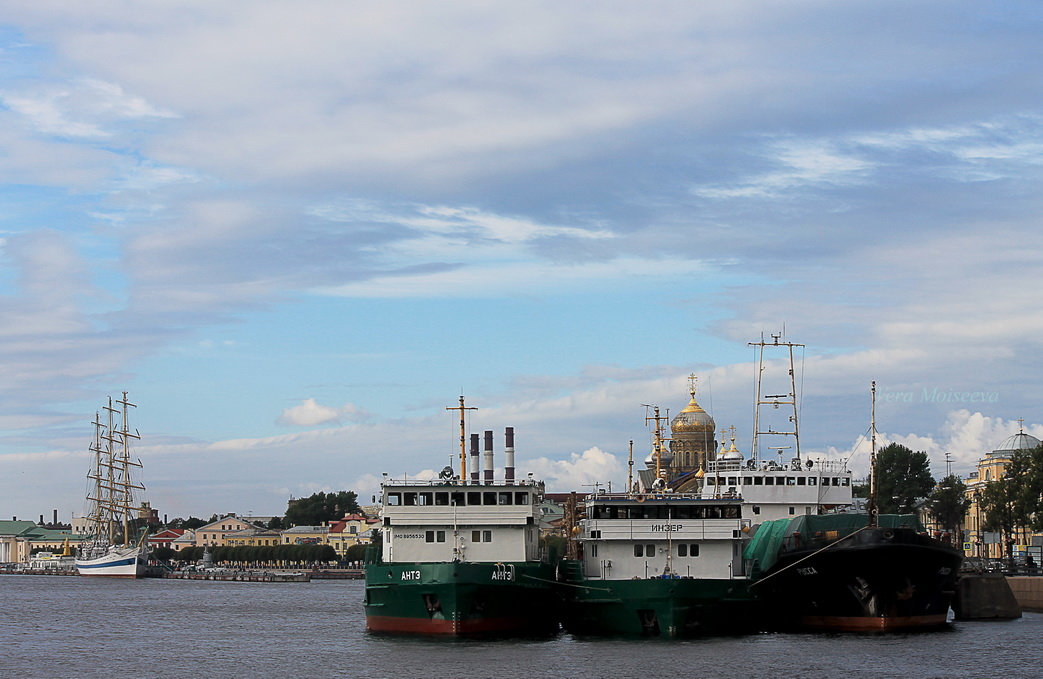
230, 576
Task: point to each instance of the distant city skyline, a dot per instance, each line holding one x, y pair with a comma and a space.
295, 235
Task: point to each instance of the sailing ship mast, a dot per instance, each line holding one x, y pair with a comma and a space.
112, 499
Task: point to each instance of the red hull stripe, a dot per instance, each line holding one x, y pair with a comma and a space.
871, 624
383, 623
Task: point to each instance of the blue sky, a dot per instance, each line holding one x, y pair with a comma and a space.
294, 233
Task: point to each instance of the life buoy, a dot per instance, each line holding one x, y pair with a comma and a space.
640, 498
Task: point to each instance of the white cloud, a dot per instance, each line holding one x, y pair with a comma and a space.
579, 472
310, 413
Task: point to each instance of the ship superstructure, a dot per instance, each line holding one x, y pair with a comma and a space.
461, 555
654, 562
777, 480
113, 546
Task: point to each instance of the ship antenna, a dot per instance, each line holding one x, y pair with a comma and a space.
872, 456
463, 436
630, 469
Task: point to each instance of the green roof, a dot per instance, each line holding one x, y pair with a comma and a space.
16, 527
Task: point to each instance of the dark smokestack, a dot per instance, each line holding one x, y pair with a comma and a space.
508, 455
488, 467
474, 458
41, 519
55, 523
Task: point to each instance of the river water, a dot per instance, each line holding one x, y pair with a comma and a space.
94, 627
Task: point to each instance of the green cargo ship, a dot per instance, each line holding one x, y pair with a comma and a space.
461, 556
659, 565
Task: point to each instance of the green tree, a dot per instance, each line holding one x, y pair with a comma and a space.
163, 553
949, 504
321, 507
902, 477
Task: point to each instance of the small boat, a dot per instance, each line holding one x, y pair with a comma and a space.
461, 556
111, 547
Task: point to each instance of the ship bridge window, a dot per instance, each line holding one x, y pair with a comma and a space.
802, 481
521, 498
481, 536
488, 498
474, 498
731, 481
681, 512
506, 498
441, 499
394, 499
458, 499
686, 549
769, 480
409, 499
425, 499
812, 481
746, 480
791, 481
758, 481
845, 481
711, 481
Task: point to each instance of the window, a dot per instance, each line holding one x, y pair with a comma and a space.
791, 481
353, 530
682, 549
487, 536
711, 481
474, 498
756, 509
594, 550
649, 550
429, 536
441, 499
758, 481
459, 499
846, 481
425, 499
792, 510
394, 499
693, 549
521, 498
505, 498
769, 481
476, 536
802, 481
409, 499
488, 498
639, 550
812, 481
595, 535
440, 536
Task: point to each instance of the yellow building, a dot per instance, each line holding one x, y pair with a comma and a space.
348, 531
253, 537
214, 534
979, 542
305, 535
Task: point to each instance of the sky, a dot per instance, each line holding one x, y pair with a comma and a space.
295, 232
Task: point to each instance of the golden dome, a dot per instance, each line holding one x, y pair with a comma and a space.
692, 419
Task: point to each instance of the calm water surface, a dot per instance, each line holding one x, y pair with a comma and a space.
92, 627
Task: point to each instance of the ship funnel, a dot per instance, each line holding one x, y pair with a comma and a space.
508, 454
488, 466
474, 458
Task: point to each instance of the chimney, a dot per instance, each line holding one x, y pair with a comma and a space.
55, 522
508, 454
488, 467
474, 458
41, 519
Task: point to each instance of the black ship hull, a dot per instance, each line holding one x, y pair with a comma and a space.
875, 579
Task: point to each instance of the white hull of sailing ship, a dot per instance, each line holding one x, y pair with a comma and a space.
118, 562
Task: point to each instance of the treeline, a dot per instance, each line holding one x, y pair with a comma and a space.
254, 555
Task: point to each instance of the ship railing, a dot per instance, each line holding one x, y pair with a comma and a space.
457, 483
828, 466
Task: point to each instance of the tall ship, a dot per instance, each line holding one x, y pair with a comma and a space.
654, 562
114, 545
461, 555
854, 571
